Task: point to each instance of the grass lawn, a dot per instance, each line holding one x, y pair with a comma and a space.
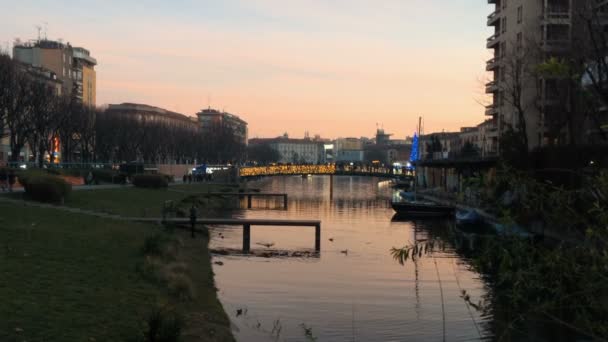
136, 202
67, 277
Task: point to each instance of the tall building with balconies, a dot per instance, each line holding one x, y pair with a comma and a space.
526, 33
74, 66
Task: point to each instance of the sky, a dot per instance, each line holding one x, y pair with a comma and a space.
338, 68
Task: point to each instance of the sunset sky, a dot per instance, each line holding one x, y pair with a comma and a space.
330, 67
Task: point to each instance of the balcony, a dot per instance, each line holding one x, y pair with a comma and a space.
491, 110
494, 18
550, 18
492, 64
491, 87
493, 41
555, 45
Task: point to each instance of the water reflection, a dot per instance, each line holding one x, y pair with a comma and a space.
355, 290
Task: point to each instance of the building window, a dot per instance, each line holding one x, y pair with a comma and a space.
503, 49
519, 41
520, 14
504, 25
504, 4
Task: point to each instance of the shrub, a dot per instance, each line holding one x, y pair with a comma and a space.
151, 269
163, 325
162, 245
108, 176
45, 188
181, 286
156, 181
155, 244
168, 177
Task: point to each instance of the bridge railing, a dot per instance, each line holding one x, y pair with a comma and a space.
272, 170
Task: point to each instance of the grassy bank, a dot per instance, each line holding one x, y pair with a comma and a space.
67, 277
137, 202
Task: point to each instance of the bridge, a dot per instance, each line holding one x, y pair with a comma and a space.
325, 169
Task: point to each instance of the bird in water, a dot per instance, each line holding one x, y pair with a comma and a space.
345, 252
331, 239
265, 244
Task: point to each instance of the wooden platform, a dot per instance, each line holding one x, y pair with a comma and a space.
246, 224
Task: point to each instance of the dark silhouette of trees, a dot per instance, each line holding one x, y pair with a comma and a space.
34, 115
263, 154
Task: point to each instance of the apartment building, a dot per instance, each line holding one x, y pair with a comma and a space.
526, 33
153, 114
209, 119
74, 66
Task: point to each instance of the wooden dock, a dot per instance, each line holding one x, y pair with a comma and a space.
246, 224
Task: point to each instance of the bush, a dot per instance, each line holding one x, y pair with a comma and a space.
168, 177
108, 176
44, 188
163, 324
156, 181
181, 286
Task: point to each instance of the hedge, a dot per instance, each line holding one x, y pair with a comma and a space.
155, 181
45, 188
108, 176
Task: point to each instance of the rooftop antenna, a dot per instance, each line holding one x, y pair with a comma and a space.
46, 29
39, 28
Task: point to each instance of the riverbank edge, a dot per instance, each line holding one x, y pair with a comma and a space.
537, 230
206, 318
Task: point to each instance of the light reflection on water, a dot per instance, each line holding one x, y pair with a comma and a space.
361, 295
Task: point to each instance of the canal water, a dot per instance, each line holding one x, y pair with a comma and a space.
355, 290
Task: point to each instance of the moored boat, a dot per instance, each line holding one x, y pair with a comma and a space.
468, 217
413, 208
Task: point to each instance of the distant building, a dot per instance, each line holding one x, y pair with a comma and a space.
154, 114
488, 138
73, 66
209, 119
296, 151
382, 138
349, 150
439, 145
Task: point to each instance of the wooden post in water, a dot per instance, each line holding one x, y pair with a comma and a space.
285, 201
331, 187
246, 238
249, 201
318, 238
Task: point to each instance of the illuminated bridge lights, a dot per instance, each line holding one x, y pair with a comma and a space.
286, 170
